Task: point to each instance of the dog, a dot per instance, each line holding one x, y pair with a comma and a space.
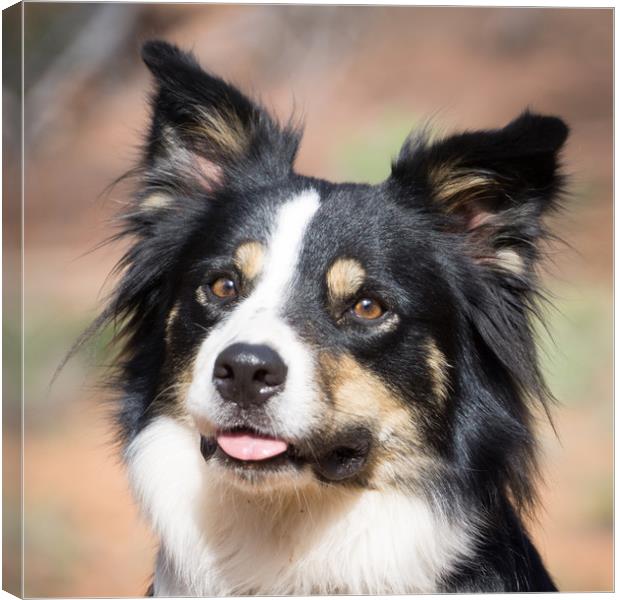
330, 388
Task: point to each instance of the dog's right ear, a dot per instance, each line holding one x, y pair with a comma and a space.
205, 132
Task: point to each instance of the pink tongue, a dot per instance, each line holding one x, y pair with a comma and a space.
246, 446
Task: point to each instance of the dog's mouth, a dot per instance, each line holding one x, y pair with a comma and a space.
246, 449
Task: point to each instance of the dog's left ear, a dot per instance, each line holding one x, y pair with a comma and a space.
205, 131
492, 186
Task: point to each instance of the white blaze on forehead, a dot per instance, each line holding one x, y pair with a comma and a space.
258, 320
283, 250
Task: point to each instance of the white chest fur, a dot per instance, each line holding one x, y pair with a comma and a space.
217, 540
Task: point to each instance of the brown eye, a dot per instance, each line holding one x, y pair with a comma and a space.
368, 309
224, 287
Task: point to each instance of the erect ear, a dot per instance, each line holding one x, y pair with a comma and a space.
493, 186
205, 131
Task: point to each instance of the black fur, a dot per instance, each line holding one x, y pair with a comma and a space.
434, 238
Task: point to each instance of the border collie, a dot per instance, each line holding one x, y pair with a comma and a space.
330, 388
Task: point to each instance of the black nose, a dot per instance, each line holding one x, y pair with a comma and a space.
248, 375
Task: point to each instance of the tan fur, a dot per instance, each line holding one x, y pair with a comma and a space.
455, 187
156, 201
169, 400
172, 316
359, 392
506, 259
452, 185
201, 296
249, 258
357, 396
438, 366
511, 261
225, 130
344, 279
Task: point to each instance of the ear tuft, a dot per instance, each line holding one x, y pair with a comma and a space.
163, 58
537, 134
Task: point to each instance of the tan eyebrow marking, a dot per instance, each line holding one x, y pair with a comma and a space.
344, 278
249, 258
438, 366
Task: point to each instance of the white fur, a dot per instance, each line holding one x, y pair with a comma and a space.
217, 540
257, 320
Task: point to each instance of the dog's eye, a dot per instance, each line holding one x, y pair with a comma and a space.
224, 288
368, 309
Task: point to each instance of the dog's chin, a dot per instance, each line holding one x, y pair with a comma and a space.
249, 477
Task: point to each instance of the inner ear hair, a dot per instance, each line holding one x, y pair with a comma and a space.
478, 196
223, 129
452, 185
478, 204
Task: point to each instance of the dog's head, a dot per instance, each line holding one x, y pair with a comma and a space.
310, 332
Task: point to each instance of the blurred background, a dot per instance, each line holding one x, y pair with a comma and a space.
363, 77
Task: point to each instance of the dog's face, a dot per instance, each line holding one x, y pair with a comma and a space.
317, 333
294, 313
